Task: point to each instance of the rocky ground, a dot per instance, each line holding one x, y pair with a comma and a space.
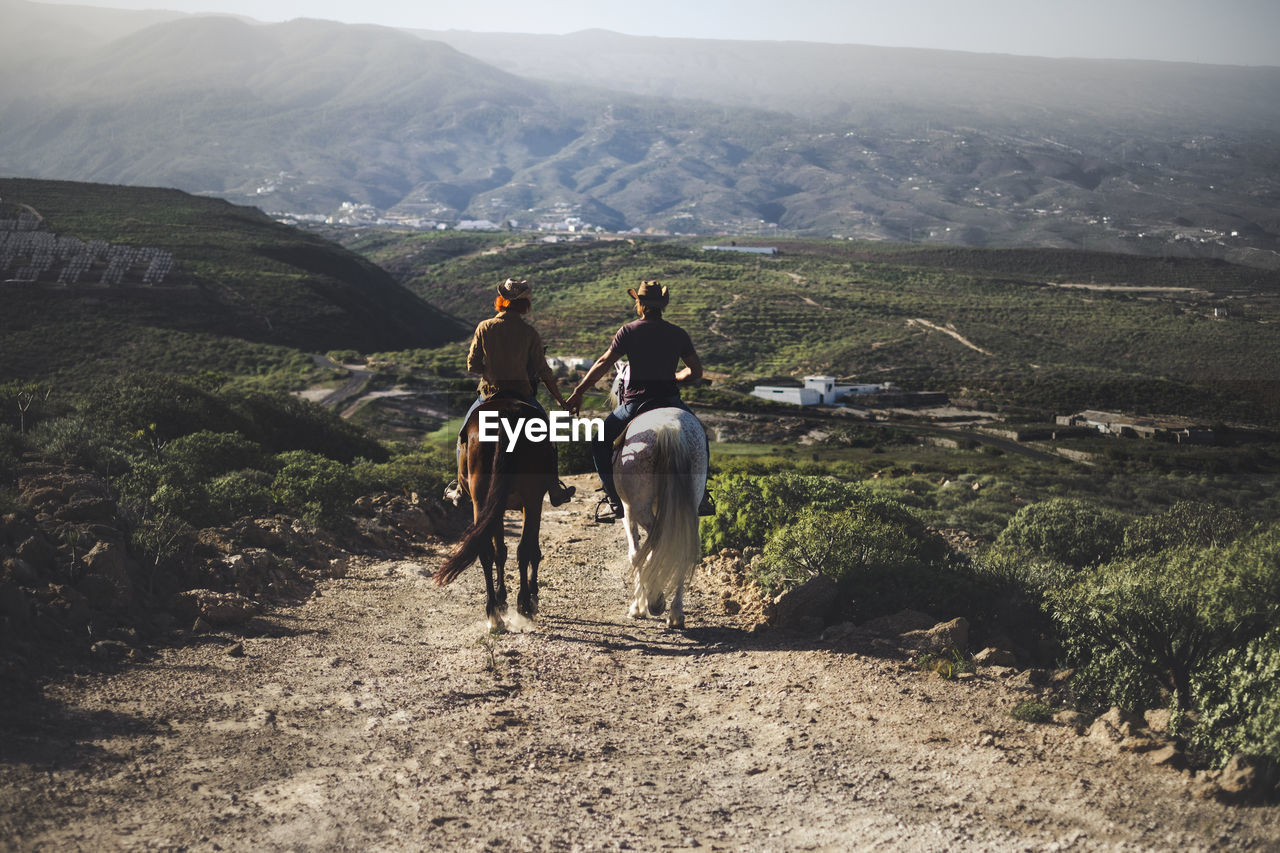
373, 711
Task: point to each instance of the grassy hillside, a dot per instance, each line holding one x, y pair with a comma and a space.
245, 293
1048, 330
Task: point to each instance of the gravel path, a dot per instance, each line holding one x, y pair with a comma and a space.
380, 715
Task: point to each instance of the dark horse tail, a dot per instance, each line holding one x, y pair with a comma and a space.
481, 531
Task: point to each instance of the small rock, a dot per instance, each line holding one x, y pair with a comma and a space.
1103, 732
941, 638
805, 607
1073, 719
109, 650
995, 657
1158, 720
1168, 756
1062, 677
1139, 744
835, 633
1241, 781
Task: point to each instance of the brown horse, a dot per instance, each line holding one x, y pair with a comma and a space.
499, 479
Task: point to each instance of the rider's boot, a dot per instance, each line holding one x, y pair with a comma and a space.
609, 509
560, 493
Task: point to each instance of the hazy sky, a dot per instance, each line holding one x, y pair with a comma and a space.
1236, 32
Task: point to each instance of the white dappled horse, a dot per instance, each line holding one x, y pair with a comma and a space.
660, 472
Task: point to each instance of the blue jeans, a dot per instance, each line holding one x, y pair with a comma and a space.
614, 424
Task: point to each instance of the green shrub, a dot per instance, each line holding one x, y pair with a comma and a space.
186, 500
1031, 711
282, 422
425, 469
158, 540
1009, 592
164, 406
846, 545
1069, 530
202, 455
1184, 523
1164, 618
882, 555
239, 494
11, 448
1239, 704
85, 441
314, 487
749, 508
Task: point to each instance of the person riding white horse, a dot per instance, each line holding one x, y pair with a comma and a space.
654, 348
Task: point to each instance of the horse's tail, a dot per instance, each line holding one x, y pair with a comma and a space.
672, 546
490, 515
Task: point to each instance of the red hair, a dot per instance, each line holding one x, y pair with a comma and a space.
520, 306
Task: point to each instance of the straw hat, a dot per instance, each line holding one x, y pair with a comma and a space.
650, 293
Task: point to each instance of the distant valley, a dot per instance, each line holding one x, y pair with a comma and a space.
597, 131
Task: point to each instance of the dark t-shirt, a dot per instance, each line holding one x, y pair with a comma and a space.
654, 348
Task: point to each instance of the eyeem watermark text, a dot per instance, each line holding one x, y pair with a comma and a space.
562, 428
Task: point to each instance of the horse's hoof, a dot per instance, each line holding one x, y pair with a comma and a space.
675, 623
658, 606
496, 625
635, 611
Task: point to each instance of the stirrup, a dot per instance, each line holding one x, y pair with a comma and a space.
607, 512
707, 507
561, 494
453, 492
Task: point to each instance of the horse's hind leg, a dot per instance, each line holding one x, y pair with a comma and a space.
637, 609
644, 601
495, 588
675, 616
529, 556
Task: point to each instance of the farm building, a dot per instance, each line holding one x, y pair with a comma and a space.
751, 250
1167, 427
569, 362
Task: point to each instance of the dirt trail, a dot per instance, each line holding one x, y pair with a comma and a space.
380, 715
949, 330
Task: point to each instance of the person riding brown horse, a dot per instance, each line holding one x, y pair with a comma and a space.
508, 354
501, 476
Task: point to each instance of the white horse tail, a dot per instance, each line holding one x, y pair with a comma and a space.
671, 549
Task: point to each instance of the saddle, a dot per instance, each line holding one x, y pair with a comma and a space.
511, 397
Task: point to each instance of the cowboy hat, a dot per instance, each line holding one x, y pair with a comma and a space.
513, 289
650, 293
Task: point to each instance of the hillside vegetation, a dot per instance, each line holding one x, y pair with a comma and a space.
1052, 332
246, 296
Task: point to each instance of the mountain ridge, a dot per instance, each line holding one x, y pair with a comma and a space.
972, 149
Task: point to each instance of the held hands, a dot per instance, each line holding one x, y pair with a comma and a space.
574, 403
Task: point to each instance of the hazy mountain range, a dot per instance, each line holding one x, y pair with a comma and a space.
620, 132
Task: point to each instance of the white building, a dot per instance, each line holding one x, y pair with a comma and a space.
781, 394
817, 391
